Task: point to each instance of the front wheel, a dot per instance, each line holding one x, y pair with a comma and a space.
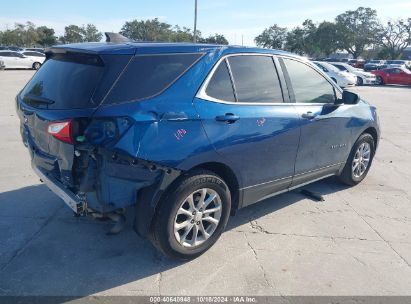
359, 161
192, 216
360, 81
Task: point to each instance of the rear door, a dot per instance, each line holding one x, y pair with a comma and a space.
245, 117
325, 128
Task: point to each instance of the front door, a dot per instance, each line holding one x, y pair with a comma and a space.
325, 139
245, 117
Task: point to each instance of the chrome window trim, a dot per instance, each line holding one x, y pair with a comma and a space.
201, 94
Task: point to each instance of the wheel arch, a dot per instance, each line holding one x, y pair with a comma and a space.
228, 175
145, 213
373, 132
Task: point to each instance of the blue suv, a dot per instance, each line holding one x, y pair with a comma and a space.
186, 134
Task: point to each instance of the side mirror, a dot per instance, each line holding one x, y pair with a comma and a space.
348, 98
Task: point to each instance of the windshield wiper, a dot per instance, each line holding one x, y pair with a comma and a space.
37, 99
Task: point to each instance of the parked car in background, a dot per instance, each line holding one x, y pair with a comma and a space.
342, 78
374, 65
207, 130
397, 64
357, 63
37, 57
393, 76
14, 48
35, 50
362, 76
16, 60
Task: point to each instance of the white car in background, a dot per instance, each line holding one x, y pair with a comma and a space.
37, 57
16, 60
343, 79
362, 76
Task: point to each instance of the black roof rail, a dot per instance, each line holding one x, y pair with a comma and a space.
115, 37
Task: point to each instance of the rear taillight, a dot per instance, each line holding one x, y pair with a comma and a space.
62, 130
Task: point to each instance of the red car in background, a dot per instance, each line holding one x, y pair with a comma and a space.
357, 63
393, 76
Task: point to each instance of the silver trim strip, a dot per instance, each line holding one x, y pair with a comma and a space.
293, 188
299, 174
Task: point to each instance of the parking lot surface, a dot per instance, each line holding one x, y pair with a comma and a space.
356, 242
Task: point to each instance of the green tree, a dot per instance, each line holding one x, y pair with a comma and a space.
91, 33
273, 37
357, 30
184, 34
147, 30
72, 34
214, 39
46, 36
300, 40
325, 38
395, 36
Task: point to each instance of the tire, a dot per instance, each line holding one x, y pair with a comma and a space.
360, 81
355, 169
179, 242
379, 80
36, 65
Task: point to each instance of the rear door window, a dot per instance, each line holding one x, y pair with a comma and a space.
149, 75
255, 79
65, 81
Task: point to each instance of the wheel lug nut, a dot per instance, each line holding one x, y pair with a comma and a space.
192, 221
201, 209
198, 223
194, 213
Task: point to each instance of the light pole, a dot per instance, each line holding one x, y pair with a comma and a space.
195, 22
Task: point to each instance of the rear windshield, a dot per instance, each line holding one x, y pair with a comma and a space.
65, 81
149, 75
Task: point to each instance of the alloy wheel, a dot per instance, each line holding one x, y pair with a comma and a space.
361, 160
197, 217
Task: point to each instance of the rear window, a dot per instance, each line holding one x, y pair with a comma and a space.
149, 75
65, 81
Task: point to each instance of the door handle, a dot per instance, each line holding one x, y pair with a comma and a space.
308, 115
228, 118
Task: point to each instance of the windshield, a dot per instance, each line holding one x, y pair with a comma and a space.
65, 81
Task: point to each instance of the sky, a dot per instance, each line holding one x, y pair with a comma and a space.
239, 20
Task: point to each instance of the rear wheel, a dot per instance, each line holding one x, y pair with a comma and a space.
360, 81
192, 216
36, 65
379, 80
359, 160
